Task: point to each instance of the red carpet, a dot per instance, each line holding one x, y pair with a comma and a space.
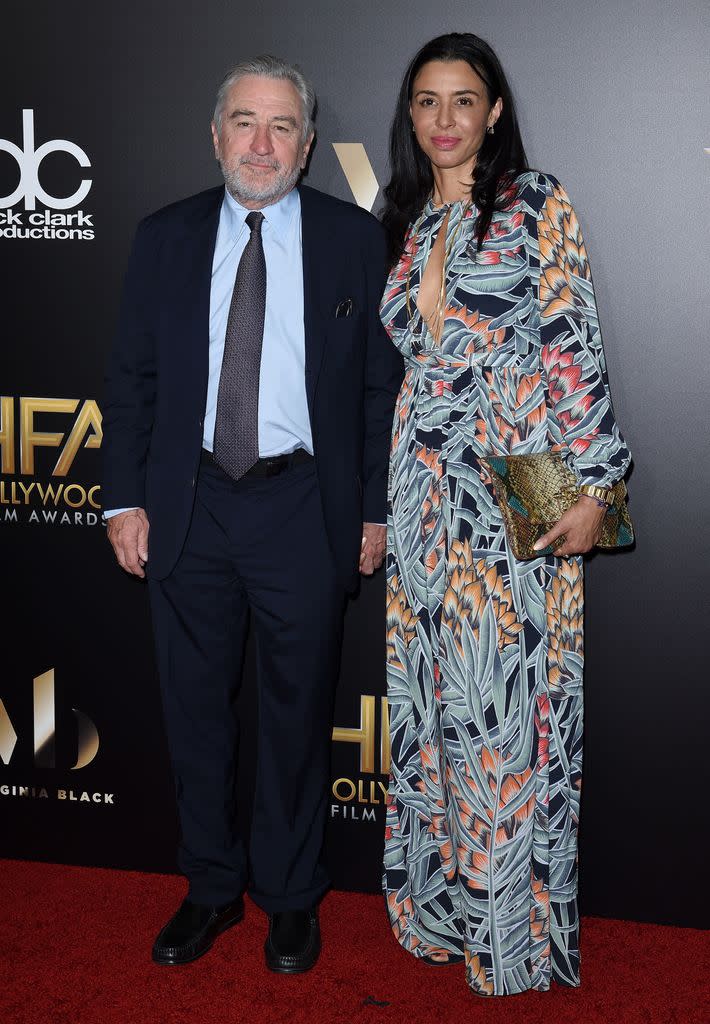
75, 949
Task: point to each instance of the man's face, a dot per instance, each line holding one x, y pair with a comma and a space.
259, 143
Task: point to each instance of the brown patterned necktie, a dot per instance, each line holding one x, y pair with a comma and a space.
236, 434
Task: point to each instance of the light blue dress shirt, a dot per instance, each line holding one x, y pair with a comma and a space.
283, 421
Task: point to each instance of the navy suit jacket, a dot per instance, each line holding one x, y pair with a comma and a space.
156, 384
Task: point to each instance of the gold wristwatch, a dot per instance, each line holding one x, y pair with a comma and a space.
604, 494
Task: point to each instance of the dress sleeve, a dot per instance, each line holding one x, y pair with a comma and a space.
572, 354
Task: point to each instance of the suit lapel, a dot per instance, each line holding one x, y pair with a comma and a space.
191, 268
315, 248
199, 254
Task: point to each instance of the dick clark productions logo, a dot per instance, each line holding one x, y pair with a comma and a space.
30, 223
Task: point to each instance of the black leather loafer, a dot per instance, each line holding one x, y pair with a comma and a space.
191, 932
293, 943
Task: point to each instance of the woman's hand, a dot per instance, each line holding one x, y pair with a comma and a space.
581, 526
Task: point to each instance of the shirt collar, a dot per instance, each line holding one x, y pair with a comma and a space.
278, 216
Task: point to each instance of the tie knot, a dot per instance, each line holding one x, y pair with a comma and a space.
254, 220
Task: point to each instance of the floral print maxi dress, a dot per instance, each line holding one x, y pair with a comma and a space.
485, 652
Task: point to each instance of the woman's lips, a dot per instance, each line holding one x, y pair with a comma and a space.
445, 141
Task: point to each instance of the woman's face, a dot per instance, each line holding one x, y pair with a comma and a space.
450, 113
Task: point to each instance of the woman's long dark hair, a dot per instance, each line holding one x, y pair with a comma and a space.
500, 159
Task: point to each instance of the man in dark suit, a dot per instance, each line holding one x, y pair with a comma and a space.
247, 420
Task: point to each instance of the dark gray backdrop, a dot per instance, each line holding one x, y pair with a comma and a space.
613, 99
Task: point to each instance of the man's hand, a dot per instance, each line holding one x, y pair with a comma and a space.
581, 526
128, 533
372, 552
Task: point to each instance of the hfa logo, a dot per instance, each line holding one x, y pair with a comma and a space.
31, 498
356, 796
364, 735
46, 225
44, 710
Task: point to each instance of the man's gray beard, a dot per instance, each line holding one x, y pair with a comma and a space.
246, 191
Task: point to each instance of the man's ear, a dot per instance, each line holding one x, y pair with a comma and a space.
215, 140
306, 149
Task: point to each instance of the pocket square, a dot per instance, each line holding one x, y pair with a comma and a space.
344, 308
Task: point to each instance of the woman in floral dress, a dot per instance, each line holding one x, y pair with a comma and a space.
490, 301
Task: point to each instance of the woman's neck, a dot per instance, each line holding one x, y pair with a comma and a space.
448, 187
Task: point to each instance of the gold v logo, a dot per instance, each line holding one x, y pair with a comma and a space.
358, 170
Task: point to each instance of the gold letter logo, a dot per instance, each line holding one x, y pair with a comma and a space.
89, 419
365, 735
45, 728
7, 435
8, 736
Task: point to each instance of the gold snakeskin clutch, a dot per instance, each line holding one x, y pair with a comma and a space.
534, 491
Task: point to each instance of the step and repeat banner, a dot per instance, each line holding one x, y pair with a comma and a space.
104, 117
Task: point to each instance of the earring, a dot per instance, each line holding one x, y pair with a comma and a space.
490, 130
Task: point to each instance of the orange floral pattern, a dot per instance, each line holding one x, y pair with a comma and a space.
401, 620
473, 584
485, 654
564, 610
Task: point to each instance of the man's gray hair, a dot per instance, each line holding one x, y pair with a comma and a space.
270, 67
